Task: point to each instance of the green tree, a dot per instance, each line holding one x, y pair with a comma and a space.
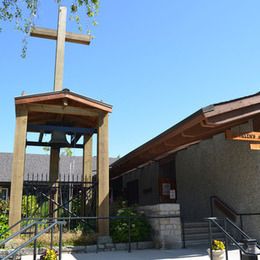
24, 12
67, 151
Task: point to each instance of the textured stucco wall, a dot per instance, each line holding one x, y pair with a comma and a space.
148, 181
228, 169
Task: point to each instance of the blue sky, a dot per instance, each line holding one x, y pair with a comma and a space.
156, 62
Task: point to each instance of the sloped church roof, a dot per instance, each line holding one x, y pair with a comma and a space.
201, 125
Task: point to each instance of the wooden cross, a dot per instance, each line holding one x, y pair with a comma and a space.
60, 35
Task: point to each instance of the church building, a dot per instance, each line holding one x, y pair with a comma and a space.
209, 163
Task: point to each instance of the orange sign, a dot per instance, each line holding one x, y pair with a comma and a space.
255, 146
249, 136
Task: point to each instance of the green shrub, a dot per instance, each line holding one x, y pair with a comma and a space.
140, 229
29, 206
4, 207
4, 226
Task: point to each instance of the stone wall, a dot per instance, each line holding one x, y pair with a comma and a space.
167, 232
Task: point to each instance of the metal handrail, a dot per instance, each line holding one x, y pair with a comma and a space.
230, 209
61, 220
228, 236
237, 228
17, 233
34, 238
104, 218
10, 228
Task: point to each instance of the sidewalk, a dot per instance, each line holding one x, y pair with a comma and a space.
148, 254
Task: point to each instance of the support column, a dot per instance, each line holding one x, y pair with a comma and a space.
103, 175
18, 167
53, 178
87, 159
54, 164
87, 176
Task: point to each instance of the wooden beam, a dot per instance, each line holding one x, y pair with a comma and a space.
52, 35
103, 175
40, 136
75, 138
49, 97
18, 167
60, 46
64, 129
56, 109
47, 144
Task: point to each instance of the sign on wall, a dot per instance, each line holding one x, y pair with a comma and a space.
249, 136
255, 146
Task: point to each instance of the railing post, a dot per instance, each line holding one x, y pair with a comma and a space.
211, 206
226, 240
210, 240
60, 242
183, 233
129, 234
51, 243
241, 221
35, 241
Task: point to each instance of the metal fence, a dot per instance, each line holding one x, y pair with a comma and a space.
63, 199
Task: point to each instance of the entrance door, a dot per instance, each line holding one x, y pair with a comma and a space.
132, 192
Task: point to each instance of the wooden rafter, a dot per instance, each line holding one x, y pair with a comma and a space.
56, 109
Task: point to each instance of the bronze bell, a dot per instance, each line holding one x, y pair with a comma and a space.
58, 139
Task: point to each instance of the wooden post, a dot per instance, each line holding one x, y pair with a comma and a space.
87, 159
103, 175
60, 45
54, 164
53, 178
15, 212
87, 174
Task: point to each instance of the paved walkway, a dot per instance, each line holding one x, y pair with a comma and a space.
149, 254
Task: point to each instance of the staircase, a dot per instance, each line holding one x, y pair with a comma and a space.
197, 233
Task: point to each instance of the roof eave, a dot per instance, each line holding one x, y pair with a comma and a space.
27, 99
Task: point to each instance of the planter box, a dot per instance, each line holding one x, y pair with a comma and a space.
217, 254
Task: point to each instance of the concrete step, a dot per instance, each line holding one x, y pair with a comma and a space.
195, 224
195, 230
196, 233
199, 236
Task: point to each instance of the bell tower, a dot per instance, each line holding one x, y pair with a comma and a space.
62, 113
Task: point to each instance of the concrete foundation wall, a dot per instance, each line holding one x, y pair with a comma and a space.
225, 168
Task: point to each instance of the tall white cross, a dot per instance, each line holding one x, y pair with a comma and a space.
60, 35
